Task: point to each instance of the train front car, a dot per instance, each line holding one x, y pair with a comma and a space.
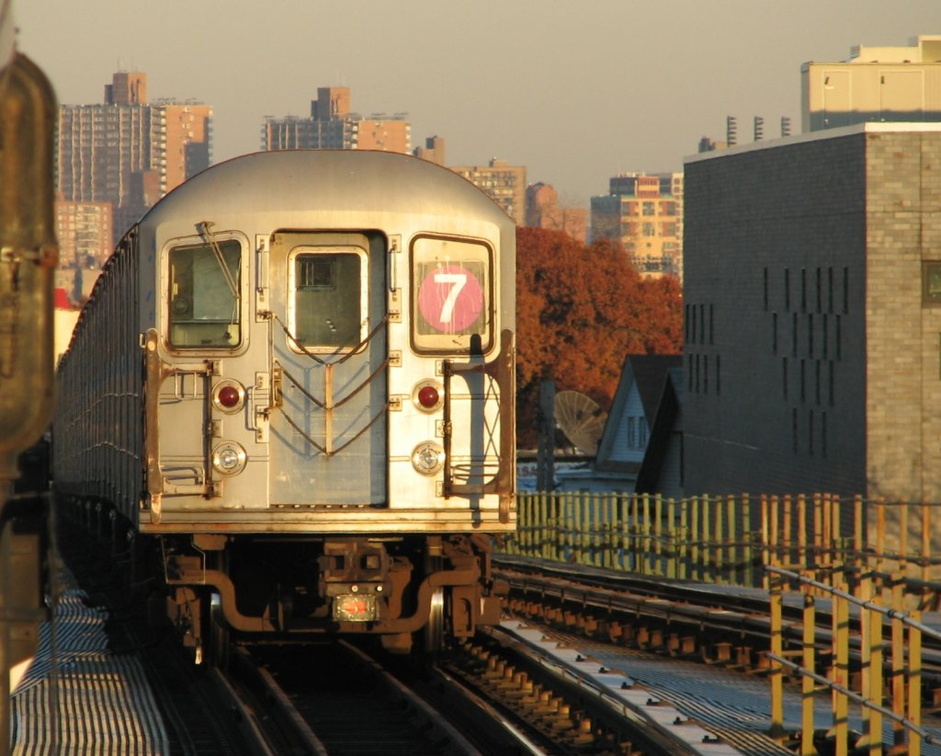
327, 436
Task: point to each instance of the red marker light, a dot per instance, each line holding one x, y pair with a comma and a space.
428, 397
228, 397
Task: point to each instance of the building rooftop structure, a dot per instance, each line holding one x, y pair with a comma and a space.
898, 84
433, 151
333, 125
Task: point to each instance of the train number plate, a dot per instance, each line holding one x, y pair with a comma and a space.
355, 607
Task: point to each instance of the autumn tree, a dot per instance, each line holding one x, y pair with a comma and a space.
580, 310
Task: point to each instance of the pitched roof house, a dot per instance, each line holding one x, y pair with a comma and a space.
641, 448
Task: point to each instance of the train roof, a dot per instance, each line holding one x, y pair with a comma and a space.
290, 181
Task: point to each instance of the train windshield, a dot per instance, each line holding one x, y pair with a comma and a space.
204, 295
451, 299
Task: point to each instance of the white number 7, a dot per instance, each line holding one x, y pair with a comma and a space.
457, 281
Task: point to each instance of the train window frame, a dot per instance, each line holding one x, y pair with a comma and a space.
462, 266
295, 342
178, 345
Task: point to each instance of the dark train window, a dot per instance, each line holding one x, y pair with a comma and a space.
328, 302
452, 308
204, 281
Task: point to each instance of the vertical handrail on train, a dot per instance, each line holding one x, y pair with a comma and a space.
156, 372
503, 371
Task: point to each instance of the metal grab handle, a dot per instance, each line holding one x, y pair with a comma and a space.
502, 370
156, 371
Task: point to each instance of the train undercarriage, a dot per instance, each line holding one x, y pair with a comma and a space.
413, 591
403, 589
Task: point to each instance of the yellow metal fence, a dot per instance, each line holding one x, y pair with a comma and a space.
729, 539
875, 555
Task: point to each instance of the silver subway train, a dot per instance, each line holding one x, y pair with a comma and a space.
293, 385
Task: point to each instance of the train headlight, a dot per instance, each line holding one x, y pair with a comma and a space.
427, 395
228, 396
229, 458
428, 458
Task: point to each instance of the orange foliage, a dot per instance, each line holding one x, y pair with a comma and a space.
580, 311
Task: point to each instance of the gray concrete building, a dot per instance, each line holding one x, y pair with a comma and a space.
812, 354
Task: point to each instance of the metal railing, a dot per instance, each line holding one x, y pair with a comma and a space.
873, 558
885, 688
729, 539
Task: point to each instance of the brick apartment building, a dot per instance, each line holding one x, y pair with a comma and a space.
645, 213
544, 211
333, 125
128, 151
505, 184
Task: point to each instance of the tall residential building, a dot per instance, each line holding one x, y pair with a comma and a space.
332, 125
813, 308
85, 233
544, 211
876, 84
505, 184
645, 213
129, 152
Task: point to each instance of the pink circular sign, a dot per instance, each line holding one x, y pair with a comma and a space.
450, 298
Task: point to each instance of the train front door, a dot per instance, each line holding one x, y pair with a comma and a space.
328, 355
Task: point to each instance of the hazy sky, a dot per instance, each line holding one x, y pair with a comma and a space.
575, 90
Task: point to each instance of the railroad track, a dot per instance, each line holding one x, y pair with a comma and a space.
513, 690
505, 692
201, 717
568, 702
727, 629
510, 690
724, 625
335, 698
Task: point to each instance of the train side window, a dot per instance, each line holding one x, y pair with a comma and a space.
204, 295
328, 302
452, 295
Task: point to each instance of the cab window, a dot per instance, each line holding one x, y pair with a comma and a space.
204, 295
